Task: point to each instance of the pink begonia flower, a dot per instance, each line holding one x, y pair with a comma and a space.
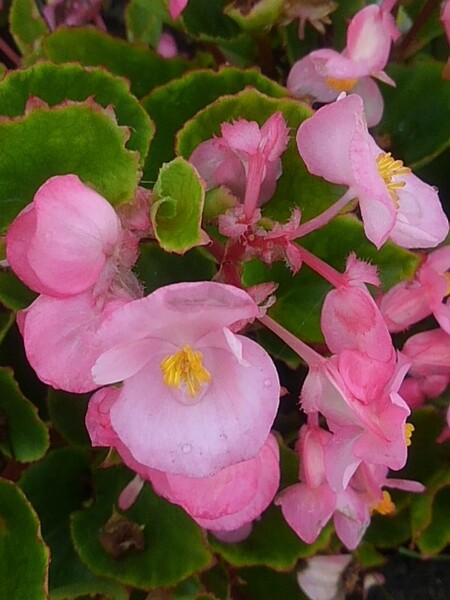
246, 159
309, 505
394, 203
325, 73
226, 501
70, 246
191, 387
409, 302
445, 18
61, 243
176, 7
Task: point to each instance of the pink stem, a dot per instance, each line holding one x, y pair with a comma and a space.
322, 268
325, 217
9, 52
310, 356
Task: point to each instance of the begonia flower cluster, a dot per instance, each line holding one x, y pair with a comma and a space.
183, 391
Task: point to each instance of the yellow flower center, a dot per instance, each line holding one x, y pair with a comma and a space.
409, 428
185, 367
386, 506
341, 85
388, 168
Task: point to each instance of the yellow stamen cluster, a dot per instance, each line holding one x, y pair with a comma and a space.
185, 367
341, 85
388, 168
386, 506
409, 428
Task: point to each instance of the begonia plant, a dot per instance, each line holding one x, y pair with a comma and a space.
224, 281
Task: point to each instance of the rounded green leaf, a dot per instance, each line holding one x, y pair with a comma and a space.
56, 83
23, 554
296, 186
173, 545
27, 25
177, 207
420, 130
74, 138
28, 438
172, 104
58, 485
144, 68
145, 20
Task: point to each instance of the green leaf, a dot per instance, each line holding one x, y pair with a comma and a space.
13, 293
272, 543
6, 321
437, 535
156, 268
265, 584
56, 83
145, 20
172, 104
389, 531
67, 413
28, 438
300, 297
177, 207
296, 186
258, 18
57, 486
173, 544
205, 20
23, 554
79, 138
419, 130
26, 25
144, 68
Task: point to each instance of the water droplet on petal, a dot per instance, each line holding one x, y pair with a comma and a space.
267, 383
186, 448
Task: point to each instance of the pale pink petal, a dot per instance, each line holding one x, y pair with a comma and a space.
404, 304
351, 518
337, 66
98, 422
307, 510
235, 536
305, 80
167, 46
372, 99
320, 579
439, 259
352, 321
129, 494
340, 461
421, 221
274, 137
218, 165
242, 135
442, 316
180, 314
18, 237
162, 430
429, 352
61, 342
365, 377
76, 231
176, 7
369, 37
232, 497
340, 122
